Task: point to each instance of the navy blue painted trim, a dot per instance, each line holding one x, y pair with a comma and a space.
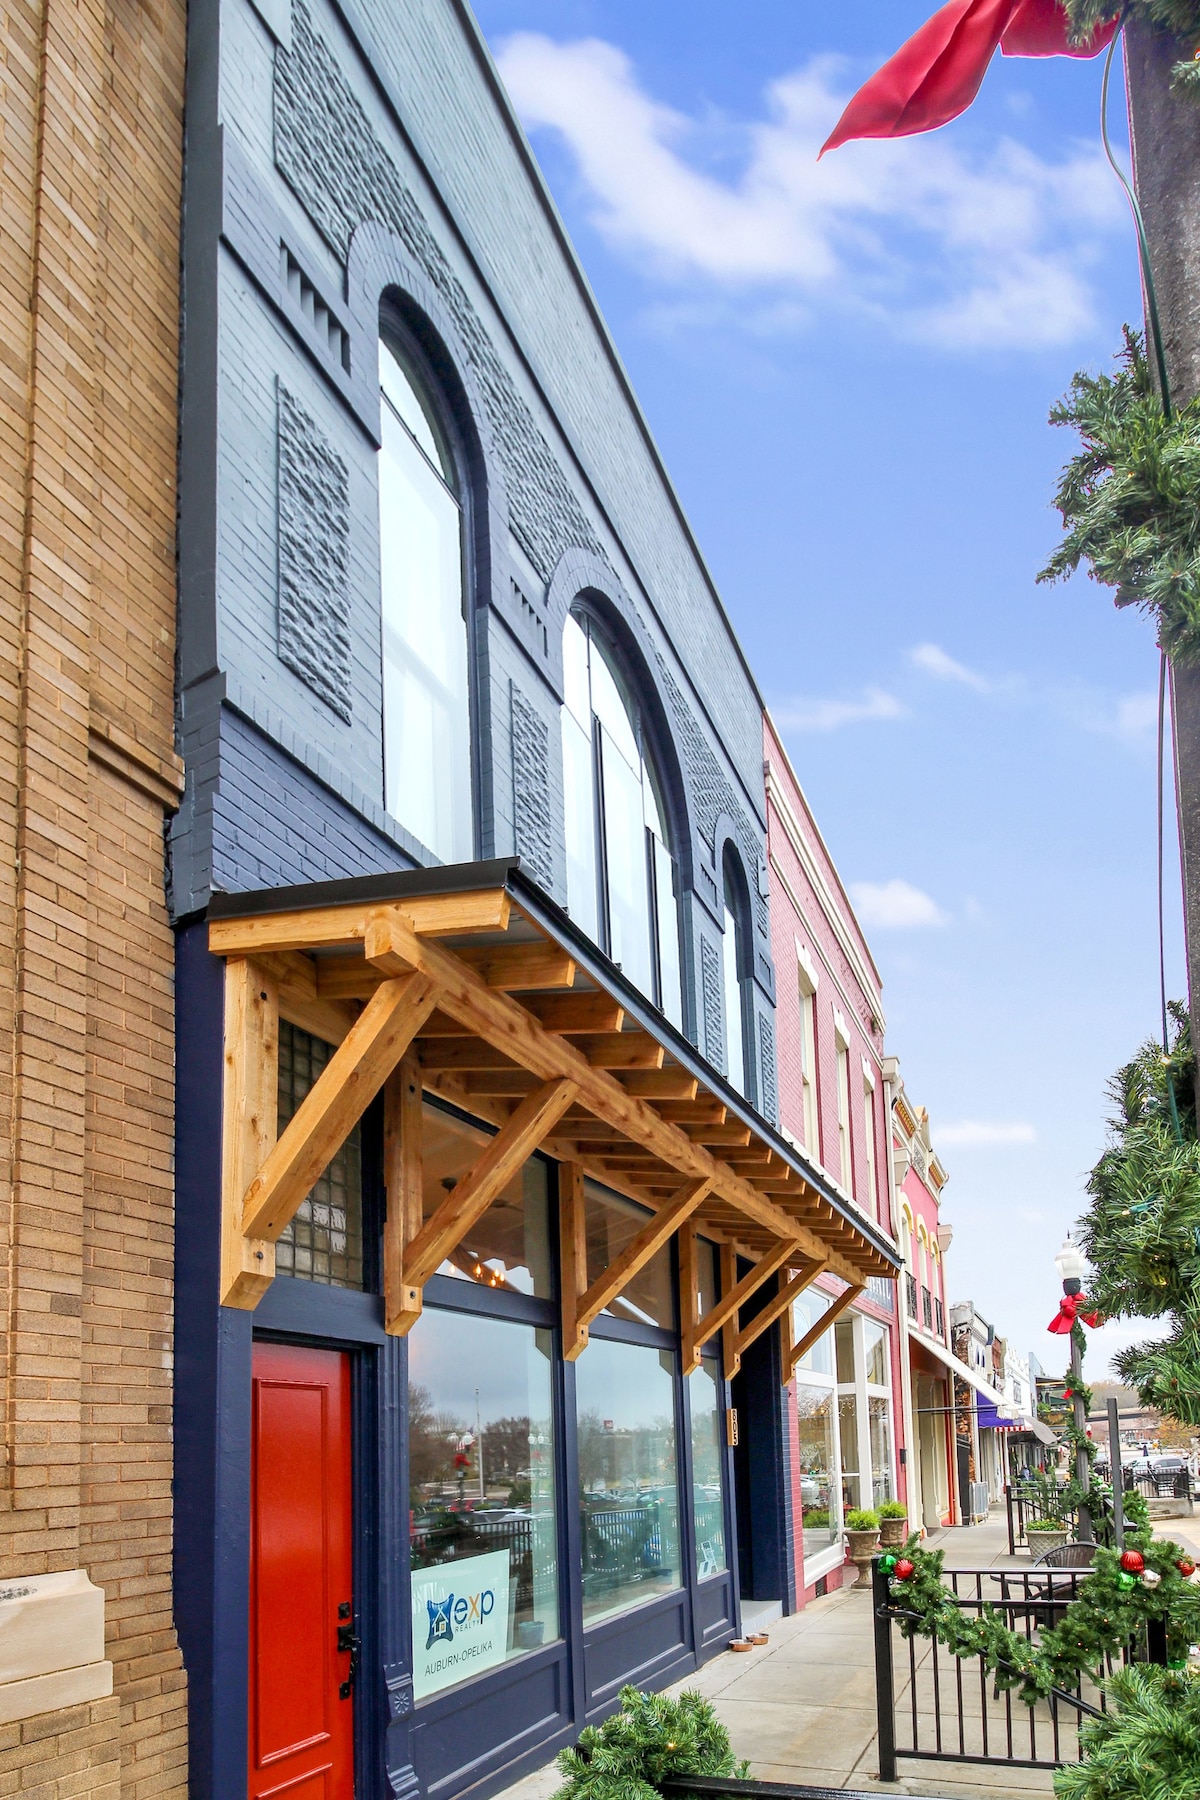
212, 1400
308, 1309
629, 1331
451, 1295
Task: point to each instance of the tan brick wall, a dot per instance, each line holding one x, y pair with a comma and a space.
91, 98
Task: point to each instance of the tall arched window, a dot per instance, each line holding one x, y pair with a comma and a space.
426, 700
621, 886
734, 963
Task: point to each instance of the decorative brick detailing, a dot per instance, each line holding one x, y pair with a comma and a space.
768, 1099
531, 789
327, 152
714, 1004
314, 557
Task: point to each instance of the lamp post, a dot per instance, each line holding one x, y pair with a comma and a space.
1071, 1268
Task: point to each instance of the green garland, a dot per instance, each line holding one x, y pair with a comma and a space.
1145, 1747
1110, 1610
1142, 1230
1130, 499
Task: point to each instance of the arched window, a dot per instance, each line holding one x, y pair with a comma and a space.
735, 968
621, 886
426, 698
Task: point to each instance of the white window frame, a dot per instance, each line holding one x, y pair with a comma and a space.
831, 1558
869, 1122
810, 1118
841, 1038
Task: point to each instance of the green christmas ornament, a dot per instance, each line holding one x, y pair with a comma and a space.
1126, 1581
887, 1563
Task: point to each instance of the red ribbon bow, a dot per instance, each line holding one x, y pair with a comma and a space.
1070, 1307
935, 76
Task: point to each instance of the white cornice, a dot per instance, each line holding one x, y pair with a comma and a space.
867, 977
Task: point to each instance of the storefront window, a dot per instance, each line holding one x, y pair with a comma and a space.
509, 1247
805, 1312
612, 1223
848, 1432
880, 1422
484, 1545
323, 1242
818, 1500
875, 1346
708, 1465
629, 1498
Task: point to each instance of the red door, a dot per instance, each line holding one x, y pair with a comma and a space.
301, 1712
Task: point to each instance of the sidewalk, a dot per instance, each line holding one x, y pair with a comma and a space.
801, 1708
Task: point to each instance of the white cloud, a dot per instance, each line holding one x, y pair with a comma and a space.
894, 905
978, 1134
938, 241
933, 660
801, 714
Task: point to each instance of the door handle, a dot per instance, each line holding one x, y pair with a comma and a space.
349, 1644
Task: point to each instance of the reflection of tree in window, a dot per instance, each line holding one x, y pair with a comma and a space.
426, 709
621, 876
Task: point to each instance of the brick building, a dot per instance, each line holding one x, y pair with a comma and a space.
91, 145
397, 1176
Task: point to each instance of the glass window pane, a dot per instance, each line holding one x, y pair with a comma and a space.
667, 909
875, 1344
612, 1223
708, 1470
427, 774
848, 1438
626, 866
324, 1240
484, 1542
579, 811
399, 390
818, 1495
625, 1398
843, 1334
509, 1247
810, 1307
576, 689
611, 708
880, 1428
735, 1053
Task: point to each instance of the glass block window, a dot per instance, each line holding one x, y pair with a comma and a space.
324, 1242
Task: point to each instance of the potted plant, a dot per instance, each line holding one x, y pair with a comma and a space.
862, 1534
1045, 1534
893, 1524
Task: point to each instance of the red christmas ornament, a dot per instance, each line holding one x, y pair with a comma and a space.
904, 1569
1186, 1567
1133, 1562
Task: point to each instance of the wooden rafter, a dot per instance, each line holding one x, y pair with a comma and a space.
734, 1295
403, 1177
572, 1239
731, 1362
635, 1256
823, 1324
513, 1144
689, 1299
778, 1304
334, 1104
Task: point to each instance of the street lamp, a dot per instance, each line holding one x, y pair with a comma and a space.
1071, 1270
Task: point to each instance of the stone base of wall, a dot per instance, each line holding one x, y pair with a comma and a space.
69, 1755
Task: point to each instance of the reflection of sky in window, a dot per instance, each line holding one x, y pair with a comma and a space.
502, 1360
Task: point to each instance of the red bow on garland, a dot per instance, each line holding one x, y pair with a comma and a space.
935, 76
1070, 1307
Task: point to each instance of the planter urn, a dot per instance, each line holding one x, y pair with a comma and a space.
892, 1533
862, 1546
1051, 1539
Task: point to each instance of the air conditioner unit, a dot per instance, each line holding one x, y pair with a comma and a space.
979, 1502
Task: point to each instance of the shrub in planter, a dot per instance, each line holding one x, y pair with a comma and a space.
1146, 1746
862, 1521
893, 1523
1046, 1534
862, 1529
651, 1737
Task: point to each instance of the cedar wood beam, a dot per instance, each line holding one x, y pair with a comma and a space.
249, 1122
791, 1290
733, 1298
635, 1256
823, 1324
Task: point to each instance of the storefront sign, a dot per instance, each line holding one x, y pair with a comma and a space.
460, 1620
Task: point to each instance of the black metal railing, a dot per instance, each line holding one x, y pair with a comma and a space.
927, 1309
910, 1291
939, 1317
1025, 1504
1159, 1484
934, 1706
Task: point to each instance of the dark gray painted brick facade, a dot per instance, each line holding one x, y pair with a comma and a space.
314, 545
531, 789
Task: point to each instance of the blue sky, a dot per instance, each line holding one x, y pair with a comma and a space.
848, 367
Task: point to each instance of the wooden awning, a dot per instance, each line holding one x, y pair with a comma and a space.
470, 984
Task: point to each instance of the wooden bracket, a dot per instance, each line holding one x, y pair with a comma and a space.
648, 1241
249, 1122
533, 1120
780, 1304
823, 1324
336, 1102
403, 1180
734, 1294
572, 1238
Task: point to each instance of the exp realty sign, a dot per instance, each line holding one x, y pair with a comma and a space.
459, 1620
